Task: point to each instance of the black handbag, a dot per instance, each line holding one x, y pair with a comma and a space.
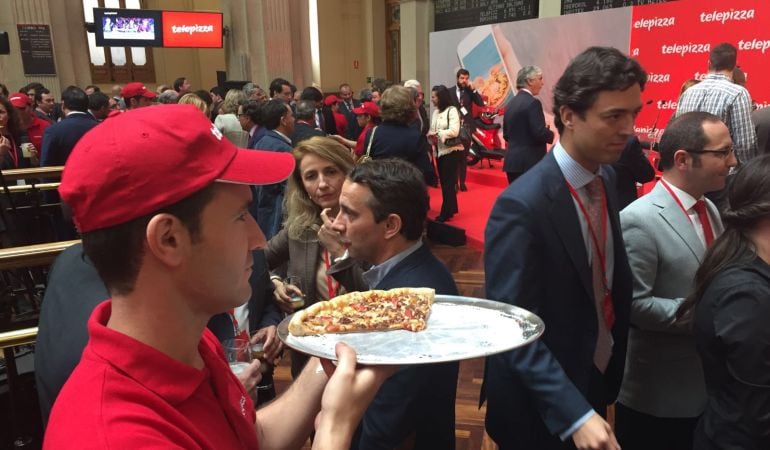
463, 138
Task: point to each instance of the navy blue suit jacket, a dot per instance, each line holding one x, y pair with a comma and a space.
418, 398
394, 140
535, 258
60, 138
525, 132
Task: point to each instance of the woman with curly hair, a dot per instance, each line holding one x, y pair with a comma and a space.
307, 242
10, 135
730, 311
227, 121
393, 137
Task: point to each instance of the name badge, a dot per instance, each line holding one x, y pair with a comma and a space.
464, 111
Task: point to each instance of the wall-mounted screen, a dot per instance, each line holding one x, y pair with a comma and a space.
128, 28
192, 29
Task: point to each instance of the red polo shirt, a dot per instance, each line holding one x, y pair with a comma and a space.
125, 394
35, 132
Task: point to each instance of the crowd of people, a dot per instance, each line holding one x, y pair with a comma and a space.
258, 197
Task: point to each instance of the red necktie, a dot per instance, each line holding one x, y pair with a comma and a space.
705, 223
604, 308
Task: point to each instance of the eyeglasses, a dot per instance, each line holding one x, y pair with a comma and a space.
723, 153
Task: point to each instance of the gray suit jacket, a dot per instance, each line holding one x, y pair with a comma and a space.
663, 375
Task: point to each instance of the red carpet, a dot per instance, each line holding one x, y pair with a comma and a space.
484, 185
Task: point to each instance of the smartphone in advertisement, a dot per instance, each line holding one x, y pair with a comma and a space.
480, 55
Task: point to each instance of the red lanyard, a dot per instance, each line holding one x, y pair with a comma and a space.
236, 330
332, 285
599, 248
676, 199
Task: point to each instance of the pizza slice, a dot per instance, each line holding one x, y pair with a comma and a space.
396, 309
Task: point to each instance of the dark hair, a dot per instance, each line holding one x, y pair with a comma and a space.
4, 90
293, 89
381, 85
117, 251
305, 110
345, 85
748, 203
595, 70
14, 121
684, 133
39, 94
398, 187
75, 99
205, 96
462, 72
277, 86
178, 83
443, 96
253, 109
218, 91
311, 93
272, 112
94, 87
98, 100
34, 85
723, 57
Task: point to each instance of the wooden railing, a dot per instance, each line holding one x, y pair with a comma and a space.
33, 172
32, 255
16, 338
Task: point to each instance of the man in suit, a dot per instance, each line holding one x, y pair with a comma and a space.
524, 127
278, 119
304, 124
346, 107
666, 234
60, 138
761, 120
464, 97
249, 116
383, 205
553, 246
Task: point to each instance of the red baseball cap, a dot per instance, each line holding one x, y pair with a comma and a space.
331, 99
20, 100
134, 164
368, 108
134, 89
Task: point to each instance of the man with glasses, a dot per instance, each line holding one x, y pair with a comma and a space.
666, 234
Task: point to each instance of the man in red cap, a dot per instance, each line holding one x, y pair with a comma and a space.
136, 95
367, 116
34, 127
340, 121
171, 237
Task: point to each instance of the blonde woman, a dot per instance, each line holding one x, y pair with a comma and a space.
227, 121
192, 99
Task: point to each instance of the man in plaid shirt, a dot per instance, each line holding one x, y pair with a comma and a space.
718, 95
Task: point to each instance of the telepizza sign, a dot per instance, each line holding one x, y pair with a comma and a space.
192, 29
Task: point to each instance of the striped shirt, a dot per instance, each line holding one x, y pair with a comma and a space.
718, 95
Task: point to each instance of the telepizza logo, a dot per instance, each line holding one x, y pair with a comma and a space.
667, 104
190, 29
683, 49
658, 77
727, 16
657, 22
754, 44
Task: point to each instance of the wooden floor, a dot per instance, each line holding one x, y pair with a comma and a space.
466, 265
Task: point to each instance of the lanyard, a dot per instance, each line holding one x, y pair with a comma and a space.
332, 285
237, 333
676, 199
599, 248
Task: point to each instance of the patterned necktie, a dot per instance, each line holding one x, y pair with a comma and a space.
604, 309
705, 223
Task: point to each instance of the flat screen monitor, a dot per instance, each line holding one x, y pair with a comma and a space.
128, 27
192, 29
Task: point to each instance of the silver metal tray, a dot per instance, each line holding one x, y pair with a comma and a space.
458, 328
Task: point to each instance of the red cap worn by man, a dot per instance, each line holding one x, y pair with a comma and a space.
136, 95
163, 213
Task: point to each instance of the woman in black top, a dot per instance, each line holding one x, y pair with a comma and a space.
731, 317
393, 137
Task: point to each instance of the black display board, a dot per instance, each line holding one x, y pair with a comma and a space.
453, 14
36, 49
579, 6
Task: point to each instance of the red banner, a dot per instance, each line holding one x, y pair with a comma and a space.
192, 29
672, 41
